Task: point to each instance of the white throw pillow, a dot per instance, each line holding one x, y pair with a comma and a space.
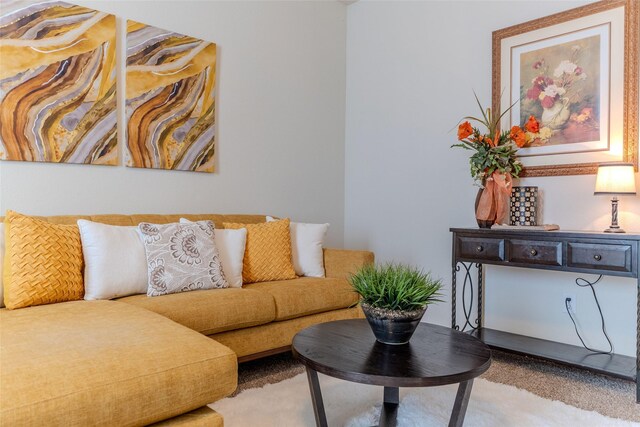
1, 263
230, 245
306, 247
115, 261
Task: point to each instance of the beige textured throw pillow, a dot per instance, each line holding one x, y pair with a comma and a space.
181, 257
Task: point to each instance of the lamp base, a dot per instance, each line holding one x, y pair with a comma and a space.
614, 230
614, 227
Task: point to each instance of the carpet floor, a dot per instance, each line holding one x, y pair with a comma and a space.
287, 404
592, 392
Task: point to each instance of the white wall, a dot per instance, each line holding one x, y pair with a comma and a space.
280, 140
411, 69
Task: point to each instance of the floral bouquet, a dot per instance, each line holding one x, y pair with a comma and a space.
494, 163
560, 97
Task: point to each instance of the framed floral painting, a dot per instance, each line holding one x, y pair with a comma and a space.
571, 80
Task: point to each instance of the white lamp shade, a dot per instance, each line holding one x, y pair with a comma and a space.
615, 178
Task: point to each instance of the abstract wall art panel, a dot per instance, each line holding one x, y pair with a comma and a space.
57, 83
170, 100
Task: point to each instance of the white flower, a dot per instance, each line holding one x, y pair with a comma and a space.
565, 66
582, 76
553, 90
545, 133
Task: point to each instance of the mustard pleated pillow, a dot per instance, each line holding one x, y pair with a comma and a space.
43, 262
267, 254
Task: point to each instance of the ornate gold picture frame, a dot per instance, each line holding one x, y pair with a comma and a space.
576, 72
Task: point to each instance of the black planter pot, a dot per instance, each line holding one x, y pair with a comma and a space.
392, 327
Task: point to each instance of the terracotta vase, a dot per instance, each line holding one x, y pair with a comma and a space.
492, 201
482, 223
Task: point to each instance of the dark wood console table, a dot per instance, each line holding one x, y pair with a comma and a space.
579, 252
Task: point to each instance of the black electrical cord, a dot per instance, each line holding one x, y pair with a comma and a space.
604, 330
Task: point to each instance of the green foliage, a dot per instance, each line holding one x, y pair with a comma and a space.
487, 160
395, 286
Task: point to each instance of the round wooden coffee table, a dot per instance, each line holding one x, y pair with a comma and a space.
436, 355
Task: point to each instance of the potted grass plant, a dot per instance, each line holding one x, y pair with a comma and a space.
394, 297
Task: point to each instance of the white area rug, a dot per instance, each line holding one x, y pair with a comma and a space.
288, 404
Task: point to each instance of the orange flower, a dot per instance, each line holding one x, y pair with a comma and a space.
518, 136
464, 130
532, 125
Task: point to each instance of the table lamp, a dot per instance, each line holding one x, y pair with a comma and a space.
615, 178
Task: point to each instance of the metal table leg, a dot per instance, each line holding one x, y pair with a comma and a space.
460, 405
316, 398
389, 412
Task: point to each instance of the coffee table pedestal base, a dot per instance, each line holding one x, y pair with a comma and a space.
389, 412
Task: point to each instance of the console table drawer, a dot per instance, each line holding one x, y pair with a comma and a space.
535, 252
481, 248
600, 256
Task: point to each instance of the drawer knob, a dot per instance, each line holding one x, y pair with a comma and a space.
533, 252
479, 248
597, 257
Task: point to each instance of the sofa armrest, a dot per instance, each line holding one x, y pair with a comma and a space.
340, 263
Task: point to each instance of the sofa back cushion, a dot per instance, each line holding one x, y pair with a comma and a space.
134, 220
43, 262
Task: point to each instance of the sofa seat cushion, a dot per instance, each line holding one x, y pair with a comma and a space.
86, 363
307, 295
211, 311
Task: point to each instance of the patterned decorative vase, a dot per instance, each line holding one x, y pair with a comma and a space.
524, 206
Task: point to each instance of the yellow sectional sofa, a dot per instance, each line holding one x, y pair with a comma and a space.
139, 360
